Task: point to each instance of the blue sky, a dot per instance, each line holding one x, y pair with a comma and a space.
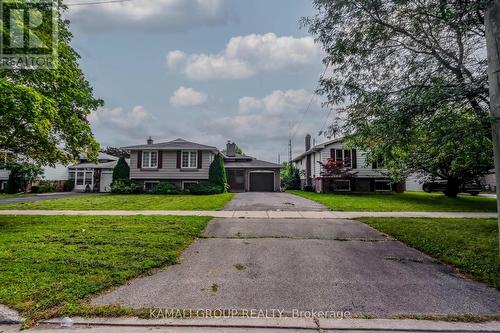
204, 70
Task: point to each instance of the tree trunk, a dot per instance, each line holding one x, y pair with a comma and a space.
492, 25
452, 188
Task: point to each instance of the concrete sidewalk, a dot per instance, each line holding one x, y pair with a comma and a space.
269, 214
125, 325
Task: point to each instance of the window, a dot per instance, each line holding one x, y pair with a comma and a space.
88, 177
186, 185
189, 160
379, 164
383, 186
343, 155
149, 186
149, 159
80, 175
341, 185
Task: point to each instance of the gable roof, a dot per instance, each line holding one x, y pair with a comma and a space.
317, 148
173, 145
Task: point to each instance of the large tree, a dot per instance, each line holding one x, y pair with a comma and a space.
43, 112
397, 63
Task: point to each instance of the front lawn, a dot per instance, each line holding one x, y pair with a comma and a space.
471, 245
409, 201
50, 263
129, 202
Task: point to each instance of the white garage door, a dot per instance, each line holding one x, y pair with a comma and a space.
106, 179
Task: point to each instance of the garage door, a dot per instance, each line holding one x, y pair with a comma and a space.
106, 179
262, 182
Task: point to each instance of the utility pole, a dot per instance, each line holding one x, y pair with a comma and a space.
492, 28
290, 142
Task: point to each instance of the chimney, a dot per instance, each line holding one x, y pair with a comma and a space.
308, 142
231, 149
150, 141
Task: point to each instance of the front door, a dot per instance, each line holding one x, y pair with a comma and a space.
236, 180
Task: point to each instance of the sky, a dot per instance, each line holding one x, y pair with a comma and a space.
206, 71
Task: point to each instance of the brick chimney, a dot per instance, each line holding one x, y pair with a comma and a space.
308, 142
150, 141
231, 149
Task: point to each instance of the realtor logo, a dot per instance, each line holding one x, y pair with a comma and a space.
28, 34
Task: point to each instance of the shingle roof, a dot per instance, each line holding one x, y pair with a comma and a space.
172, 145
252, 164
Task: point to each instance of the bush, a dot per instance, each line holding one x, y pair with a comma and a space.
43, 187
13, 184
125, 186
217, 173
206, 188
121, 170
46, 187
165, 188
290, 177
69, 185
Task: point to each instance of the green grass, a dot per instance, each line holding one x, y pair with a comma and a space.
129, 202
409, 201
471, 245
53, 262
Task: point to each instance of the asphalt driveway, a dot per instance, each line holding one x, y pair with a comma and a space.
302, 264
259, 201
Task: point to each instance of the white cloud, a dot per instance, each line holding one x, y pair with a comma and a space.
119, 126
262, 124
245, 56
150, 15
186, 97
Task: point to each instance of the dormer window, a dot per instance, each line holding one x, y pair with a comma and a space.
149, 159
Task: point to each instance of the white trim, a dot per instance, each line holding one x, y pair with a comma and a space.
143, 166
189, 159
188, 182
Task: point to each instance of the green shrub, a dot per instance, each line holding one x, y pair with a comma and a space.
121, 170
206, 188
45, 187
165, 188
125, 186
69, 185
290, 177
217, 173
13, 183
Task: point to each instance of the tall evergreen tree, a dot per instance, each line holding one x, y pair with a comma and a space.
217, 172
121, 170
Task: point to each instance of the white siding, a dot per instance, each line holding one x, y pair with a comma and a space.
4, 174
59, 172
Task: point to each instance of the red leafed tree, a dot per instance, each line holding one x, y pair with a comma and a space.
336, 168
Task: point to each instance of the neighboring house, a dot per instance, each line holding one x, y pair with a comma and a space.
365, 178
246, 173
184, 163
89, 176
